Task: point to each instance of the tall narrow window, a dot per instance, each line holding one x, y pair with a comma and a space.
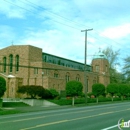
94, 81
11, 63
78, 77
97, 68
17, 62
67, 77
4, 64
35, 70
56, 74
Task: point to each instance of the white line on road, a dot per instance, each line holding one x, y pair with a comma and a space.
108, 128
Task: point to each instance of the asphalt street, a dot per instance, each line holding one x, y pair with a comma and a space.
100, 117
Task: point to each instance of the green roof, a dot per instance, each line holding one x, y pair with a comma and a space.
99, 55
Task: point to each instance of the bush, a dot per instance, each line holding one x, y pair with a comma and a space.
46, 94
2, 86
49, 94
68, 101
14, 104
54, 93
98, 89
31, 90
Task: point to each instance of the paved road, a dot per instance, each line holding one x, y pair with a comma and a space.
102, 117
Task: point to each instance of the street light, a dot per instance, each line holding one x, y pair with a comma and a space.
85, 81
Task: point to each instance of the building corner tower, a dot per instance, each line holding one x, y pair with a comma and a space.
100, 65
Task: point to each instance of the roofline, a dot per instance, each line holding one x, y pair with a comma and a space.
19, 45
64, 58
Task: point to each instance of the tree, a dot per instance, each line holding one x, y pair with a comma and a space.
112, 57
98, 89
126, 69
2, 86
46, 94
128, 91
123, 90
31, 90
54, 93
112, 89
22, 89
74, 88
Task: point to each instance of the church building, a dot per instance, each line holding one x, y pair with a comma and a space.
29, 65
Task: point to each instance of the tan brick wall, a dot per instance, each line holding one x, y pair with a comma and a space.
31, 57
103, 73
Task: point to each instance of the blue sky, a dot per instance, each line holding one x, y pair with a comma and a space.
55, 26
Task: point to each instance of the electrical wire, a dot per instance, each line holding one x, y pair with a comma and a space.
41, 15
64, 18
37, 7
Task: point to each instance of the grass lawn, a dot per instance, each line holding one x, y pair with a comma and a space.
8, 111
8, 107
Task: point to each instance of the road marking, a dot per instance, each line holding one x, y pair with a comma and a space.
44, 116
108, 128
23, 119
52, 123
67, 109
29, 119
80, 118
52, 115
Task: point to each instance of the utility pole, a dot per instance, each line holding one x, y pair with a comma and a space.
85, 62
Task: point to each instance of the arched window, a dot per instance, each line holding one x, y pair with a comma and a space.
67, 77
56, 74
4, 64
94, 80
17, 63
78, 77
97, 68
11, 63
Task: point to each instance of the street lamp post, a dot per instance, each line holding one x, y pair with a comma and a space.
85, 61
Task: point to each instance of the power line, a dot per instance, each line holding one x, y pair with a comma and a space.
55, 14
39, 7
35, 6
41, 15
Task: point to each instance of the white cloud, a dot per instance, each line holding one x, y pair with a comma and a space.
117, 31
15, 8
49, 31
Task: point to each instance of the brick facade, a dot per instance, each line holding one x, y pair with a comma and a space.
33, 70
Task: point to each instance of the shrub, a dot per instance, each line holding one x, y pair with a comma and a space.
98, 89
54, 93
31, 90
2, 86
74, 88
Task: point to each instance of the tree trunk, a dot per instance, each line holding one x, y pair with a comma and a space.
1, 102
97, 99
122, 98
112, 98
72, 101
